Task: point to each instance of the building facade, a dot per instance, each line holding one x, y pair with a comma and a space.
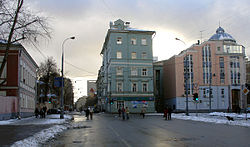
18, 93
125, 78
215, 69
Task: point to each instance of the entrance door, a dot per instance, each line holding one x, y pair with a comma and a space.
235, 99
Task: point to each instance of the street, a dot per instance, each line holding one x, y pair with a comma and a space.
110, 130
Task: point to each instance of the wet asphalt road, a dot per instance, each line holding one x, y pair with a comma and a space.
109, 131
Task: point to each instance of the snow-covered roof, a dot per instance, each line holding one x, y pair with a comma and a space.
221, 35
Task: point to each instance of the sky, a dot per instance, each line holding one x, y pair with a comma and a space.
88, 21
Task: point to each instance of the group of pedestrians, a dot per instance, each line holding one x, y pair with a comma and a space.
89, 113
41, 113
124, 112
167, 113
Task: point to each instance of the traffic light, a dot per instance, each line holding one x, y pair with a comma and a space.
195, 97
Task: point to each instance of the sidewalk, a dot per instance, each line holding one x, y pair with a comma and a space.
15, 130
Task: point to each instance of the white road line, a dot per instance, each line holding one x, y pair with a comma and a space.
124, 141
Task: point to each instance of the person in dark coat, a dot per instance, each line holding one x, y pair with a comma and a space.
169, 113
87, 113
36, 112
166, 113
123, 113
119, 111
44, 111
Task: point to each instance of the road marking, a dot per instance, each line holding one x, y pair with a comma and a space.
124, 141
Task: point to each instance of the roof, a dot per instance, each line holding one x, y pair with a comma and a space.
221, 35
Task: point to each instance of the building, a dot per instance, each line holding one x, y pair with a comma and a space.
158, 86
248, 82
215, 69
18, 93
125, 78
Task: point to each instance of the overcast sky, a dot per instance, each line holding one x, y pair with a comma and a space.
88, 21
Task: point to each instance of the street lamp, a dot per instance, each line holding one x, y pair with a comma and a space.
185, 77
62, 84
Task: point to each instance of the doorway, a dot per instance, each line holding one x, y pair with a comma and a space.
235, 99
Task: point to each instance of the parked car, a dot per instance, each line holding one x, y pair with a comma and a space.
54, 111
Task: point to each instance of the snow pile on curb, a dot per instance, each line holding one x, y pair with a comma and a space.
234, 115
212, 120
40, 137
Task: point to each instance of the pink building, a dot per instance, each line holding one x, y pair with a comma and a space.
18, 93
216, 65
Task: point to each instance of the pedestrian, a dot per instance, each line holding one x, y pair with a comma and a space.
87, 113
166, 113
44, 111
127, 112
36, 112
91, 112
41, 113
169, 113
123, 113
143, 111
119, 112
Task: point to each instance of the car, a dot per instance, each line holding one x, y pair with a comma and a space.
54, 111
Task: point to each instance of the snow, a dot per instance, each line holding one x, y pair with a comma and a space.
215, 117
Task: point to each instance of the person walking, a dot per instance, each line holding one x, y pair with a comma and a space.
91, 112
123, 113
127, 112
36, 112
169, 113
143, 111
87, 113
119, 112
166, 113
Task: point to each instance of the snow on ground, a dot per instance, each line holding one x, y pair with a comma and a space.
215, 117
40, 137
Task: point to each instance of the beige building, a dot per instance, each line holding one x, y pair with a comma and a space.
216, 65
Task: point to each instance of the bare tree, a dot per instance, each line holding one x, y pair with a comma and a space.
18, 23
47, 71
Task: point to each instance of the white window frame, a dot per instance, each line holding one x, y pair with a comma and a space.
134, 89
119, 40
119, 55
143, 41
133, 55
119, 86
119, 71
144, 89
134, 71
133, 41
144, 73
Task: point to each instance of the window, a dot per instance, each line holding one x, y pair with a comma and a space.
133, 41
143, 41
144, 55
144, 87
119, 71
134, 87
144, 72
218, 48
134, 71
119, 40
119, 86
133, 55
118, 55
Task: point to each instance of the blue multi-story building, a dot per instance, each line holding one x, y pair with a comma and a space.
126, 76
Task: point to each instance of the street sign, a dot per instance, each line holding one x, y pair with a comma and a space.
245, 91
58, 82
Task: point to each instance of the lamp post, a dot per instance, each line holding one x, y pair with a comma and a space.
185, 77
62, 84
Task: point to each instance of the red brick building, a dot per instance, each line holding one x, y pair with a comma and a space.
18, 93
